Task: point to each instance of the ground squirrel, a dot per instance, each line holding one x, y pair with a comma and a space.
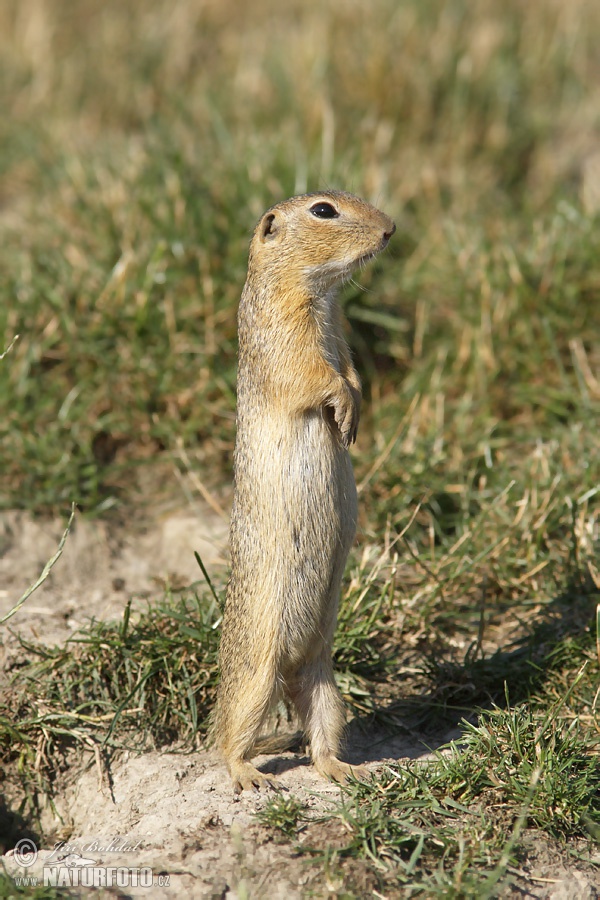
294, 509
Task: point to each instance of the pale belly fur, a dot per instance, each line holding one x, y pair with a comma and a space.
293, 523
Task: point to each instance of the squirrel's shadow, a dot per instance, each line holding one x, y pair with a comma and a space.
413, 726
14, 827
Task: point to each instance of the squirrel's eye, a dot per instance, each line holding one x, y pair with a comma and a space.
324, 211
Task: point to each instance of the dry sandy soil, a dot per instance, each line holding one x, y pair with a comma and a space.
176, 813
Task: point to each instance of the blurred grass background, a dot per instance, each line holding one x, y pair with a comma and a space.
139, 142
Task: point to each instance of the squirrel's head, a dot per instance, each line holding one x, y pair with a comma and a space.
318, 239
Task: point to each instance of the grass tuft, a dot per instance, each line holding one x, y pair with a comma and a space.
285, 815
135, 684
441, 826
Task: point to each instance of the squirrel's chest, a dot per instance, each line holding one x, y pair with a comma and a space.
293, 457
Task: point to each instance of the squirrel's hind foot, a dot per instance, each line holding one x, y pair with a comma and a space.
246, 777
335, 770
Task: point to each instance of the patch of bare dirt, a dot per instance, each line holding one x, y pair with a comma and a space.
550, 871
177, 816
103, 564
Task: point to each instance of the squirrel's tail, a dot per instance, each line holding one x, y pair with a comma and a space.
279, 743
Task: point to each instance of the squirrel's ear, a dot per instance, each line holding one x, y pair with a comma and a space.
269, 227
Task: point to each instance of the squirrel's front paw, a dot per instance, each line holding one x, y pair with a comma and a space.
346, 411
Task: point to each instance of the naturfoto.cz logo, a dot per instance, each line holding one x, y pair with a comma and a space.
71, 869
100, 876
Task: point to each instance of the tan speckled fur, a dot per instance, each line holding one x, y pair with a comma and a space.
294, 508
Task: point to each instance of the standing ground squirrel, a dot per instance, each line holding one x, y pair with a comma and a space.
294, 508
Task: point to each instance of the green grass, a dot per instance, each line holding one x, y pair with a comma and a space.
132, 169
143, 684
440, 829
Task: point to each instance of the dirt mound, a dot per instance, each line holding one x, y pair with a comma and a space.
101, 567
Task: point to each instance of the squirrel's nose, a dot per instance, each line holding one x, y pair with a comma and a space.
387, 234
